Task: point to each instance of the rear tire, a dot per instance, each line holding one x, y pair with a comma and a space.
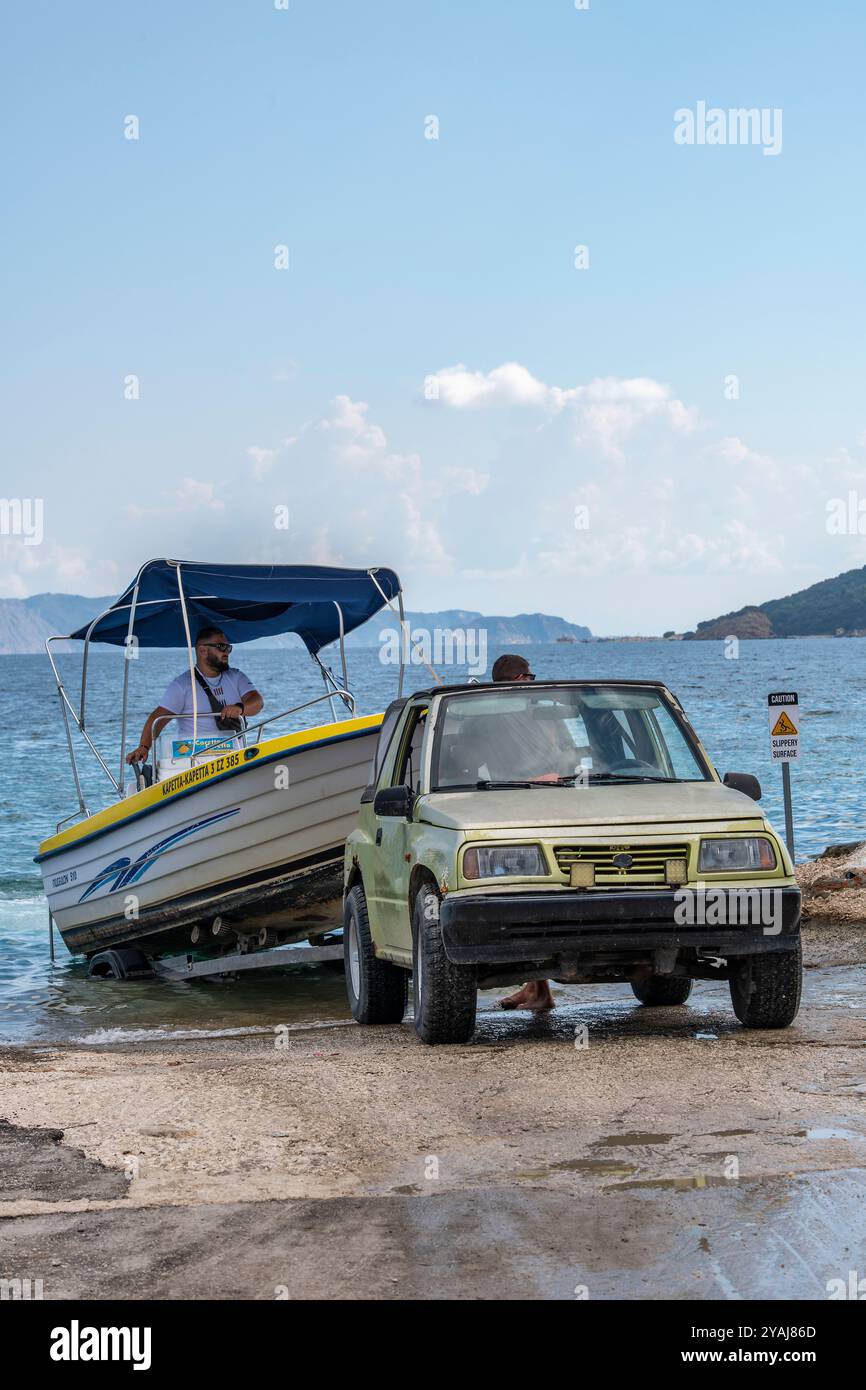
659, 990
445, 996
765, 989
377, 990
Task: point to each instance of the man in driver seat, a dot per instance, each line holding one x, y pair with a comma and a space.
218, 686
533, 750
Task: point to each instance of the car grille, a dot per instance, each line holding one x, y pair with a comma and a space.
646, 869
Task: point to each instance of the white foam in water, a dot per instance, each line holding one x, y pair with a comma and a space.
103, 1036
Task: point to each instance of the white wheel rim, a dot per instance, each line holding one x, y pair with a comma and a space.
354, 959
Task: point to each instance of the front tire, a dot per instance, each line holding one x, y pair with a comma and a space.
377, 990
445, 996
765, 989
657, 991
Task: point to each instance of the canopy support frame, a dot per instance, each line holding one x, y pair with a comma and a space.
66, 704
404, 635
63, 701
128, 649
189, 648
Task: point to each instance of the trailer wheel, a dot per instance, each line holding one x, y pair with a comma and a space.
445, 996
658, 990
119, 963
377, 989
765, 989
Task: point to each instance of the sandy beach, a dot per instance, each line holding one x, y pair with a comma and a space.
274, 1163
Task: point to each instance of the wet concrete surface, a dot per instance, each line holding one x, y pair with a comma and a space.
35, 1163
605, 1151
779, 1239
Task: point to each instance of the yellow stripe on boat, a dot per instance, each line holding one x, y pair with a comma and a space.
202, 773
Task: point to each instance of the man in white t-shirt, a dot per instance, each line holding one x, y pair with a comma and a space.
231, 689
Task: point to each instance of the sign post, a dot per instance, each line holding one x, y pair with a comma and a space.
783, 708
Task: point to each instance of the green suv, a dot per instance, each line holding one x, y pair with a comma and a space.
570, 830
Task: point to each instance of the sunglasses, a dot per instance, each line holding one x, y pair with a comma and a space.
225, 647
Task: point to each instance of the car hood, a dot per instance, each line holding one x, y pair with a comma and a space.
638, 803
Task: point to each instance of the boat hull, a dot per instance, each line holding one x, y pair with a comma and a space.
255, 839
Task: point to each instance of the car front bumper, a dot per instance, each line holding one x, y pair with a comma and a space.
537, 926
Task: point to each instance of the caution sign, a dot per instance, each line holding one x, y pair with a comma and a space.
784, 711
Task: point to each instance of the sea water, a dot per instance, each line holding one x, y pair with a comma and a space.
725, 699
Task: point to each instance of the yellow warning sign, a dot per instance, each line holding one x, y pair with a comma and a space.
783, 728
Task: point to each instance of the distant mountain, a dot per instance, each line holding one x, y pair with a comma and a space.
833, 607
519, 631
26, 622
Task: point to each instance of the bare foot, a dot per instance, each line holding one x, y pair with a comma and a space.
535, 995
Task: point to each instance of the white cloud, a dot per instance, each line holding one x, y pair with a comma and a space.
481, 512
733, 454
607, 410
425, 544
26, 569
510, 384
464, 480
610, 410
263, 460
381, 505
847, 468
320, 550
661, 549
362, 439
193, 495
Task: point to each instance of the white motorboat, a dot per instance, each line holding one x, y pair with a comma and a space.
226, 841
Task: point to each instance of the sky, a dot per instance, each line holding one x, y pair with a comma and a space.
305, 284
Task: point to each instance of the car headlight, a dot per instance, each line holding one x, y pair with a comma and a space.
737, 856
503, 861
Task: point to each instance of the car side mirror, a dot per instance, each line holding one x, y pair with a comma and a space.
743, 782
393, 801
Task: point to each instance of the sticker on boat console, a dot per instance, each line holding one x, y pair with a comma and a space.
200, 773
182, 747
124, 871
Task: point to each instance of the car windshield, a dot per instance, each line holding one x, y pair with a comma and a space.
564, 736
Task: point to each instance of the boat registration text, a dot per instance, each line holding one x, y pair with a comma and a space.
200, 773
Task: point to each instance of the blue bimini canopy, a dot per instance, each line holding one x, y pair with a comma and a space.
246, 601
